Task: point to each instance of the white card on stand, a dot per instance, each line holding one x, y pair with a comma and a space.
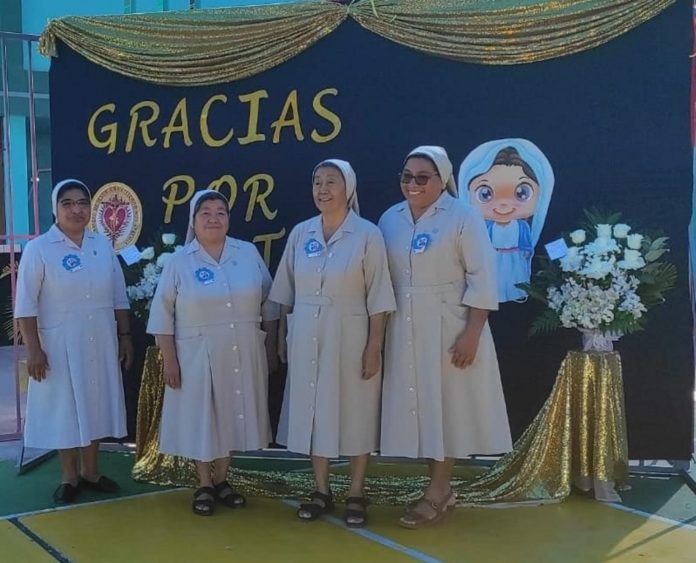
130, 254
556, 249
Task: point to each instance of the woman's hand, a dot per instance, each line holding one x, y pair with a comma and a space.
125, 351
371, 360
37, 363
171, 374
464, 348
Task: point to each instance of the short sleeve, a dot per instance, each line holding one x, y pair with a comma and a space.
283, 288
378, 284
270, 311
162, 310
478, 256
30, 279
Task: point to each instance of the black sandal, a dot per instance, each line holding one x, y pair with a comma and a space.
225, 494
204, 501
321, 504
355, 515
65, 493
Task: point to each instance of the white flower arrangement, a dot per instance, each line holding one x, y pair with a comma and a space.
606, 283
143, 276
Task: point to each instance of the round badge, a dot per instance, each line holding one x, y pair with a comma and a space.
117, 214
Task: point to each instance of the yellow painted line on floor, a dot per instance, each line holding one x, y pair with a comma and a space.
163, 528
577, 530
16, 546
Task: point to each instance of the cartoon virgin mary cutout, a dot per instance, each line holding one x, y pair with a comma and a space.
510, 181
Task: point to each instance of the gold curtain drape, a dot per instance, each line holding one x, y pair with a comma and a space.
201, 47
198, 47
578, 438
479, 32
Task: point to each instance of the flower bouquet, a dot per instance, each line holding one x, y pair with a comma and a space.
608, 279
143, 276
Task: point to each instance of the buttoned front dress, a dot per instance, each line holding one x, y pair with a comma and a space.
430, 408
329, 409
73, 291
213, 309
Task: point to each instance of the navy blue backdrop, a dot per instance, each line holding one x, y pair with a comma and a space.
613, 121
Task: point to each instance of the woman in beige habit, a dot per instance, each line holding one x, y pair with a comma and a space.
442, 397
207, 313
334, 285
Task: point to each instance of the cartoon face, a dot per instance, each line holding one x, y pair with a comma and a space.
504, 193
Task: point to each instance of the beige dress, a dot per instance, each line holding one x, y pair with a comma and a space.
73, 291
329, 409
441, 265
214, 310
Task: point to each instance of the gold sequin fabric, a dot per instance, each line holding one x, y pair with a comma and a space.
202, 47
579, 432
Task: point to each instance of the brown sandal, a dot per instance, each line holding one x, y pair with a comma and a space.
425, 512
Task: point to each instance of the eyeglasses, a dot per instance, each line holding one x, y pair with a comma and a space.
421, 179
68, 203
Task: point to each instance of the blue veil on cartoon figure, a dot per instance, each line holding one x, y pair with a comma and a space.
510, 181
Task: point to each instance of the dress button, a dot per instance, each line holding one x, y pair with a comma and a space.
237, 391
314, 362
241, 416
229, 304
231, 325
87, 296
409, 342
89, 317
318, 269
314, 338
408, 295
411, 389
91, 338
316, 315
410, 366
234, 347
317, 292
408, 319
330, 254
413, 412
236, 370
311, 384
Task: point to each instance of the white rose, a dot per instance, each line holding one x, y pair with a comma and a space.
578, 236
634, 241
168, 239
163, 258
147, 253
632, 260
621, 230
602, 244
604, 231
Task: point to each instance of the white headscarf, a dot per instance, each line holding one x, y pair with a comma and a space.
348, 177
442, 162
190, 233
60, 185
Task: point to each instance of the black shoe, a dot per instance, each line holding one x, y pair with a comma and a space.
102, 485
65, 493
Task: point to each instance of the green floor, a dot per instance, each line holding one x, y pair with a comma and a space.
666, 496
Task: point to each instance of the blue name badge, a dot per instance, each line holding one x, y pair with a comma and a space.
313, 248
420, 243
205, 276
72, 263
